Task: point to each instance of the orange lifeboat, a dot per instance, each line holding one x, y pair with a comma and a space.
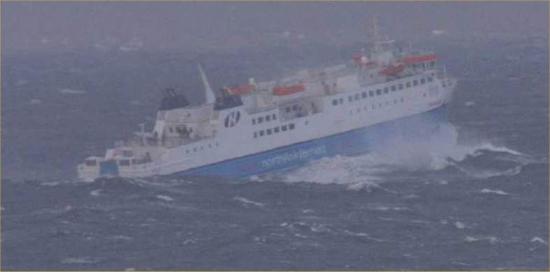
290, 89
392, 70
240, 90
418, 59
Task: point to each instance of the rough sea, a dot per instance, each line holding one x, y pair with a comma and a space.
475, 196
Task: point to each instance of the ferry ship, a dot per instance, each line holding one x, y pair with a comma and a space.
259, 127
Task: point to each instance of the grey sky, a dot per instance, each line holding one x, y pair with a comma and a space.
63, 25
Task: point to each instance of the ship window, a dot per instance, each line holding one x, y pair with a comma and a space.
350, 98
415, 82
400, 86
276, 130
357, 96
341, 100
274, 116
268, 131
283, 128
378, 92
392, 89
291, 126
194, 149
124, 162
287, 109
261, 133
422, 81
371, 93
170, 129
91, 162
260, 120
408, 84
334, 102
364, 94
255, 134
294, 107
268, 118
430, 79
253, 121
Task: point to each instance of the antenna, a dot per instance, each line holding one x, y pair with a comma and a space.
375, 36
209, 94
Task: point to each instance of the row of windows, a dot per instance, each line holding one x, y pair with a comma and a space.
293, 108
274, 130
267, 118
385, 90
201, 148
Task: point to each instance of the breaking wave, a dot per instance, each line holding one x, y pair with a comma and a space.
440, 152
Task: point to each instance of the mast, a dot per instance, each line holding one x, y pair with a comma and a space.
209, 94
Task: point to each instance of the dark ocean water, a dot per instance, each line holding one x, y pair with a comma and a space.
475, 196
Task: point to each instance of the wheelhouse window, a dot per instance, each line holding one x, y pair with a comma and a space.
268, 118
408, 84
378, 92
364, 94
371, 93
422, 81
291, 126
415, 82
90, 162
283, 128
260, 120
400, 86
392, 89
268, 131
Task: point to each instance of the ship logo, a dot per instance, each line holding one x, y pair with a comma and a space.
232, 119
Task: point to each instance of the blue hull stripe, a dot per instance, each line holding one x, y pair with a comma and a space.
352, 142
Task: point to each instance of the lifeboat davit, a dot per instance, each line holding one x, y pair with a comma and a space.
240, 90
290, 89
392, 70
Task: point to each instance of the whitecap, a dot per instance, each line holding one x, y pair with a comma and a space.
71, 91
96, 192
35, 101
490, 191
490, 239
79, 260
50, 183
121, 237
537, 239
164, 197
459, 225
363, 235
248, 201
